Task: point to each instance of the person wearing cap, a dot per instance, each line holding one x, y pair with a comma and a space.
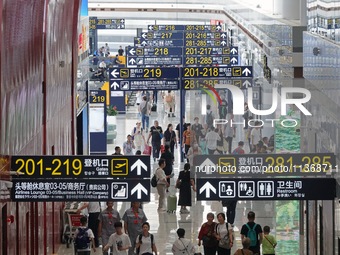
138, 135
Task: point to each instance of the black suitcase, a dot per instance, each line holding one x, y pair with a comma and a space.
154, 108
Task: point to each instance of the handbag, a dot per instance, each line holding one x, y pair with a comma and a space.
168, 142
160, 134
147, 150
162, 148
224, 242
178, 184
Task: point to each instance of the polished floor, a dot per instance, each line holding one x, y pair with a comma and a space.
164, 225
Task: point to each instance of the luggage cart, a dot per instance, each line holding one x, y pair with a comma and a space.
71, 221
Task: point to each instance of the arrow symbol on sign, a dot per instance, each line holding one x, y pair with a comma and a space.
139, 165
234, 60
246, 71
139, 188
207, 187
114, 73
233, 50
218, 27
246, 84
132, 51
223, 35
122, 21
144, 35
223, 43
115, 85
144, 43
150, 27
132, 61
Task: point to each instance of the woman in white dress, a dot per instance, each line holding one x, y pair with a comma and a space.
138, 136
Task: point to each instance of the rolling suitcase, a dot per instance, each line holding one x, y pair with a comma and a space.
172, 203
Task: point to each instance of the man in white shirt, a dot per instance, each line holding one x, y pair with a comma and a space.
94, 211
119, 241
182, 245
211, 138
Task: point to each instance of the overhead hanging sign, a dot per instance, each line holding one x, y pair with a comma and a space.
262, 165
80, 166
28, 190
185, 27
96, 23
266, 189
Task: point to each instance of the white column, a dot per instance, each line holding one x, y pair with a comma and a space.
289, 9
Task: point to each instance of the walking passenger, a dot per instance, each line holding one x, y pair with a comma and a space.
119, 241
94, 211
145, 242
170, 138
245, 248
169, 161
144, 109
156, 133
269, 242
254, 232
162, 184
224, 235
107, 219
184, 182
133, 220
182, 245
206, 236
83, 238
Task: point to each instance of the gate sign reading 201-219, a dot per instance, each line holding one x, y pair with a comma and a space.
81, 166
81, 178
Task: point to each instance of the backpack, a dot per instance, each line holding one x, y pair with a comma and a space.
82, 239
210, 119
252, 235
145, 108
168, 98
140, 239
154, 181
236, 151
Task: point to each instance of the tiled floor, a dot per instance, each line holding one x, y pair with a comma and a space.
164, 225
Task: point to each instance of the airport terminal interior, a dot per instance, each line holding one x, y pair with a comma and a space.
78, 89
